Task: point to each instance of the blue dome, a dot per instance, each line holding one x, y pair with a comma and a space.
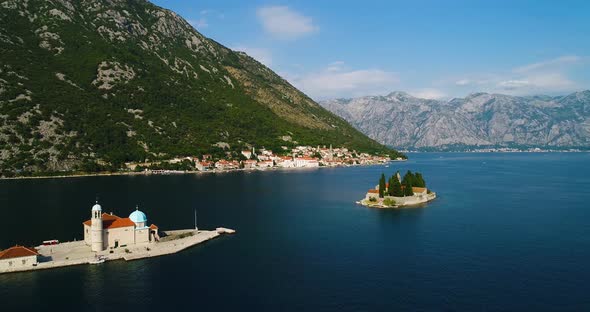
138, 216
96, 207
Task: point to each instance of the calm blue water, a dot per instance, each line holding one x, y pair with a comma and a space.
508, 232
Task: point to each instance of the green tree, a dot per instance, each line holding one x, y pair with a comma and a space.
390, 186
419, 180
408, 188
382, 186
408, 177
396, 187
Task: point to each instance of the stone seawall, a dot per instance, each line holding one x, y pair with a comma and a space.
400, 202
77, 253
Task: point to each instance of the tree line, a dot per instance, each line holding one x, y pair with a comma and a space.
393, 186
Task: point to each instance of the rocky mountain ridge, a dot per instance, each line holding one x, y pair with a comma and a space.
476, 121
87, 83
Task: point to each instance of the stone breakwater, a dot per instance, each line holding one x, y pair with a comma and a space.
77, 253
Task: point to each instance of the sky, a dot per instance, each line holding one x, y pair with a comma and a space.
431, 49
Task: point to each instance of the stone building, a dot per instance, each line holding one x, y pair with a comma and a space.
17, 257
107, 231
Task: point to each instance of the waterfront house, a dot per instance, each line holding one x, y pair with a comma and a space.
203, 165
372, 194
249, 164
222, 164
17, 257
285, 162
308, 162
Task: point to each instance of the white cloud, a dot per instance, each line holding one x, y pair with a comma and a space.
555, 63
545, 77
433, 94
335, 82
199, 23
538, 83
283, 23
463, 82
262, 55
513, 84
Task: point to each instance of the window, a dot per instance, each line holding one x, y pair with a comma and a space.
9, 263
24, 261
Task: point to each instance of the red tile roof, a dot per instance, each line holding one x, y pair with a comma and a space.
112, 221
153, 227
307, 158
373, 191
17, 252
418, 189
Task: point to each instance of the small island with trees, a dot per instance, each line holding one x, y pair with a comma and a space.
399, 192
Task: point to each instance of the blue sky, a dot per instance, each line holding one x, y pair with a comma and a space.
434, 49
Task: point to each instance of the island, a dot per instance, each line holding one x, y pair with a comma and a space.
398, 192
106, 237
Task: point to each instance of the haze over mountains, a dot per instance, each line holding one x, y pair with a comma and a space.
103, 82
476, 121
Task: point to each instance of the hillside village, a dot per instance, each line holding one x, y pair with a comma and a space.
297, 157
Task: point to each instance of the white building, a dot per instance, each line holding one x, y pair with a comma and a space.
285, 162
203, 165
104, 231
249, 164
17, 257
308, 162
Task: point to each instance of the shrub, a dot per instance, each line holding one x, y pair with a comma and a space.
187, 234
372, 199
389, 202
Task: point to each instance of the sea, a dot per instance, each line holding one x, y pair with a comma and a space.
508, 232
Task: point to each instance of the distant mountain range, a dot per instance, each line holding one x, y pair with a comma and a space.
101, 82
477, 121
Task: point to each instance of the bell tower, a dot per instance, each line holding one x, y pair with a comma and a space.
96, 228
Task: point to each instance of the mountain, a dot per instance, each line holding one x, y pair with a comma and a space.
479, 120
87, 82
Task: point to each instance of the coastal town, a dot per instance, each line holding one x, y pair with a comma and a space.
262, 159
106, 237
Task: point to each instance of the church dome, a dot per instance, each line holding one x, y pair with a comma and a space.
138, 217
96, 207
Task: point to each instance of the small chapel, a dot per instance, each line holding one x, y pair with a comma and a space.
107, 231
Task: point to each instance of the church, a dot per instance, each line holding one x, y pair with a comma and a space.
107, 231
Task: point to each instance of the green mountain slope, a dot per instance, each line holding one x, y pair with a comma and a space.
109, 81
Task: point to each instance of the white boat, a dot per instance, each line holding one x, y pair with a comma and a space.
222, 230
97, 260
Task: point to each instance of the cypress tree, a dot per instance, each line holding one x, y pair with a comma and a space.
382, 185
390, 186
408, 177
408, 188
419, 180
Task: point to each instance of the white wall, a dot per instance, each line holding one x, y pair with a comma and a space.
20, 262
